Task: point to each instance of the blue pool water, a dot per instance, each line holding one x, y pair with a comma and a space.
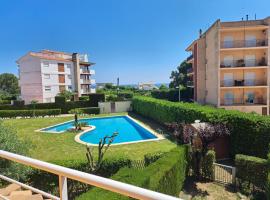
128, 130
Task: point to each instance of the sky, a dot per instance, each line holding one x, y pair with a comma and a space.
135, 40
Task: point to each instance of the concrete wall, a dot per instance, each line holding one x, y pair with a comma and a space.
120, 106
212, 65
240, 35
30, 79
201, 71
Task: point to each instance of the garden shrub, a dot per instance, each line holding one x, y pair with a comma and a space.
249, 133
267, 190
4, 102
173, 94
60, 100
84, 98
125, 95
95, 98
10, 142
89, 110
18, 103
208, 165
252, 170
166, 175
29, 113
152, 157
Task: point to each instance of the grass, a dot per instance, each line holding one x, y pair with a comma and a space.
51, 147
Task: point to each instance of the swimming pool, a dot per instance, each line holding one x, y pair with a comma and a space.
129, 131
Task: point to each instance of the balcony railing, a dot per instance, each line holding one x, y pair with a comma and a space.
85, 81
244, 63
64, 173
246, 82
190, 57
190, 70
190, 83
243, 43
243, 101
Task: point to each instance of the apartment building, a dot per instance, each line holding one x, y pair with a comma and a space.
230, 66
43, 75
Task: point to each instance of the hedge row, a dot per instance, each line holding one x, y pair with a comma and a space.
29, 113
268, 178
166, 175
252, 170
173, 94
249, 132
89, 110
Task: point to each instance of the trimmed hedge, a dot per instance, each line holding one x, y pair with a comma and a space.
89, 110
95, 98
166, 175
208, 165
29, 113
267, 190
249, 132
173, 94
252, 170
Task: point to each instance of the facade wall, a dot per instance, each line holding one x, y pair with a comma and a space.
240, 35
212, 65
201, 71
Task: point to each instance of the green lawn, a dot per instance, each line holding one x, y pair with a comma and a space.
50, 147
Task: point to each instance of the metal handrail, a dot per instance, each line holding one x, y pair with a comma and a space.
244, 63
105, 183
244, 43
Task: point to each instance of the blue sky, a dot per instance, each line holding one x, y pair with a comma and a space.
136, 40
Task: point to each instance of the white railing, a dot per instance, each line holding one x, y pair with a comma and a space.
224, 173
92, 81
92, 71
105, 183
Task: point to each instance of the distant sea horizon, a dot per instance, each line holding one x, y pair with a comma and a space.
135, 85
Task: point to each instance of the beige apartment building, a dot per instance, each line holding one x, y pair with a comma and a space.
230, 66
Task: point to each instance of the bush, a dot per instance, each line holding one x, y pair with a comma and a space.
89, 110
125, 95
249, 133
95, 98
10, 142
84, 98
207, 165
268, 178
60, 100
152, 157
252, 170
4, 102
173, 94
166, 175
29, 113
18, 103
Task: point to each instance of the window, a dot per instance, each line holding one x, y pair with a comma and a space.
249, 97
69, 66
228, 41
70, 87
69, 76
251, 41
228, 79
48, 88
47, 76
250, 78
228, 61
228, 98
250, 60
45, 64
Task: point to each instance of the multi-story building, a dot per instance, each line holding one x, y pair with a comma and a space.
43, 75
230, 65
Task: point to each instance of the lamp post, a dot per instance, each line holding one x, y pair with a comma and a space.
179, 92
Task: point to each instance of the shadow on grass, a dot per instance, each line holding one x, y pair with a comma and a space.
191, 188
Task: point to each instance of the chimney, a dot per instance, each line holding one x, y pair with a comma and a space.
200, 33
247, 17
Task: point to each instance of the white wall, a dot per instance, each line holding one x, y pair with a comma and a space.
120, 106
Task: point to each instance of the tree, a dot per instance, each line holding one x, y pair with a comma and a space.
179, 76
67, 94
163, 87
9, 86
95, 165
33, 103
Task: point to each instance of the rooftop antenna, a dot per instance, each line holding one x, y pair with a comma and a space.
247, 17
242, 18
200, 33
255, 16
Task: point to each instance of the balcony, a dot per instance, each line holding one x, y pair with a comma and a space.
190, 84
243, 101
190, 58
243, 43
243, 83
190, 70
244, 63
87, 71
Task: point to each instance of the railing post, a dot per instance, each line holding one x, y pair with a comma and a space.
63, 188
233, 175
